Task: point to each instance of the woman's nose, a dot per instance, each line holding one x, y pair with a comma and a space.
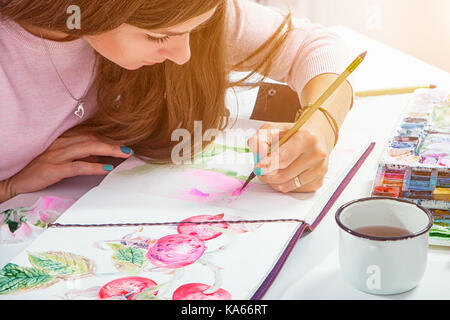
179, 50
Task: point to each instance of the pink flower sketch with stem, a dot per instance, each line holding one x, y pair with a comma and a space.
198, 291
127, 287
202, 231
176, 251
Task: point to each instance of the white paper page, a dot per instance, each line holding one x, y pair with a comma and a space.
236, 260
215, 181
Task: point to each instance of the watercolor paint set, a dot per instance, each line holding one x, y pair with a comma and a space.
416, 162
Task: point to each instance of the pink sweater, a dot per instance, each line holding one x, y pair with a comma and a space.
35, 108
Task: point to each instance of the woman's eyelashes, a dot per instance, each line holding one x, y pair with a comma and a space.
158, 40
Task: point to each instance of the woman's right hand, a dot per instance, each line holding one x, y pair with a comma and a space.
68, 156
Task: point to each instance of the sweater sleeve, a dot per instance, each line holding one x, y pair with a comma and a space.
309, 50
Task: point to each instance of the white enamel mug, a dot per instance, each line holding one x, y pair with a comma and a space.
383, 265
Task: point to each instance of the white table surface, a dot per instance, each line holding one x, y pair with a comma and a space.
312, 270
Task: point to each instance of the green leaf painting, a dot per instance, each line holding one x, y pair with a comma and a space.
14, 278
129, 260
215, 149
63, 265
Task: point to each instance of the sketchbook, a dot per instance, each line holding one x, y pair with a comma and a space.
153, 246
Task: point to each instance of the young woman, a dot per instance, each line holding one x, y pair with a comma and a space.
134, 71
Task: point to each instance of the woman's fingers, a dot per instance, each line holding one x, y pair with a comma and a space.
309, 180
303, 156
39, 175
310, 187
66, 141
90, 148
269, 136
261, 141
68, 156
82, 168
302, 143
306, 165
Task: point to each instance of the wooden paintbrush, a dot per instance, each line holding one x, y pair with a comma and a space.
310, 111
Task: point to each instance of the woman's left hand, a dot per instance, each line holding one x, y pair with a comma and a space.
305, 155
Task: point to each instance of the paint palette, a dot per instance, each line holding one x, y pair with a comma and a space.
416, 162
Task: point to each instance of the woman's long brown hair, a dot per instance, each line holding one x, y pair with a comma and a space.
142, 108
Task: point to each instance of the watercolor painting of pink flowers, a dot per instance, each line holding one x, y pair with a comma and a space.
136, 258
24, 223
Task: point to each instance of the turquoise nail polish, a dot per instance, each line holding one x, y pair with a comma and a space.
256, 158
108, 167
259, 172
125, 150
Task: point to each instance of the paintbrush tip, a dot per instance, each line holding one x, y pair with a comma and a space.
250, 178
432, 86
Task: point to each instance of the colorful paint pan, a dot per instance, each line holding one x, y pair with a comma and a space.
409, 132
412, 125
407, 139
416, 163
403, 145
419, 194
441, 214
442, 194
421, 174
387, 191
415, 120
398, 152
443, 180
394, 176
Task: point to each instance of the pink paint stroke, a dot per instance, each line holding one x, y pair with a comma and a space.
216, 186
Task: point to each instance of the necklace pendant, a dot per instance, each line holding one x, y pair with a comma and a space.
79, 112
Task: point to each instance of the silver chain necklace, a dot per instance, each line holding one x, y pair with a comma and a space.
79, 109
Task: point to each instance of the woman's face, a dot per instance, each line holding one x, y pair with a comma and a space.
131, 47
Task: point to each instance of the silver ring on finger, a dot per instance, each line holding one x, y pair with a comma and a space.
297, 182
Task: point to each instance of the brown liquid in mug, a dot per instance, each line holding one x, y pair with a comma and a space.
383, 231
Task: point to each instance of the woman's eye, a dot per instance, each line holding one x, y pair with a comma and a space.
157, 40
